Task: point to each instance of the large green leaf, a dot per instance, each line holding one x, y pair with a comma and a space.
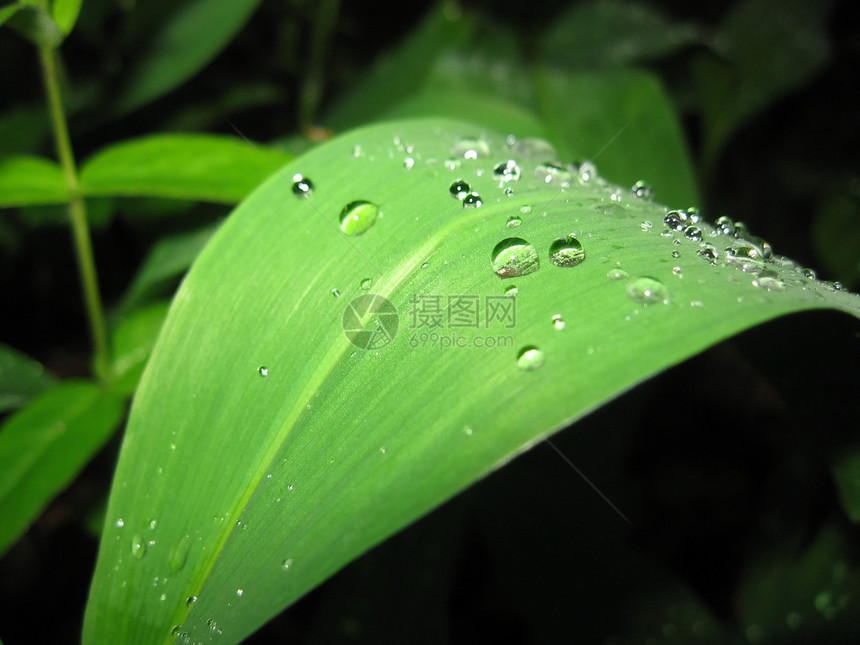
46, 444
267, 448
184, 166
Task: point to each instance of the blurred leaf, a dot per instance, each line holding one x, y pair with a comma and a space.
272, 445
33, 22
21, 378
31, 180
401, 72
836, 236
65, 13
768, 48
183, 166
46, 444
168, 260
601, 33
625, 123
187, 42
132, 342
806, 597
845, 466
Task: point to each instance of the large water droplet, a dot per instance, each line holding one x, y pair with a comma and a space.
472, 200
506, 171
693, 233
138, 546
513, 221
357, 217
469, 148
513, 257
302, 186
647, 291
566, 252
530, 358
460, 189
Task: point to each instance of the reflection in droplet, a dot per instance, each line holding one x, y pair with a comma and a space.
472, 200
357, 217
459, 189
514, 257
566, 252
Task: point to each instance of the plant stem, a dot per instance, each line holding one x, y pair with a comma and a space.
78, 215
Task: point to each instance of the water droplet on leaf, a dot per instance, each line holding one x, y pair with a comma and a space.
357, 217
507, 171
530, 358
566, 252
513, 257
460, 189
647, 291
558, 321
513, 221
472, 200
138, 546
302, 186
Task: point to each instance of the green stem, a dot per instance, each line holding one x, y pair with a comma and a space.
78, 215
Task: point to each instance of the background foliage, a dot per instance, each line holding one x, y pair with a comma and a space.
728, 454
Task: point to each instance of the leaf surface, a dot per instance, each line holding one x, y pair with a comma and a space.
281, 428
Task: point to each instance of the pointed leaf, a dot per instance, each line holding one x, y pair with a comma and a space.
284, 425
26, 180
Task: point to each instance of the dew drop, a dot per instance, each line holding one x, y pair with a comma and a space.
709, 252
366, 284
179, 553
263, 370
459, 189
513, 221
472, 200
286, 564
676, 220
120, 523
693, 233
558, 322
550, 173
646, 225
677, 271
526, 210
642, 190
470, 148
511, 291
617, 274
724, 226
190, 600
357, 217
507, 171
769, 280
530, 358
647, 291
566, 252
408, 163
240, 592
138, 546
513, 257
535, 149
302, 186
335, 293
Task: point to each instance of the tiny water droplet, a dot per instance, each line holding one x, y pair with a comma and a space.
769, 280
240, 592
646, 225
408, 163
642, 190
693, 233
724, 226
647, 291
709, 253
263, 370
513, 257
335, 293
179, 553
535, 149
467, 430
357, 217
459, 189
190, 600
176, 629
366, 284
677, 271
552, 173
676, 220
558, 321
530, 358
302, 186
138, 546
511, 291
617, 274
286, 564
507, 171
472, 200
153, 524
470, 148
513, 221
120, 523
525, 210
566, 252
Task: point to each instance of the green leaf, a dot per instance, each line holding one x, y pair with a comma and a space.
132, 342
767, 48
166, 261
21, 378
65, 14
26, 180
182, 166
46, 444
603, 33
625, 123
267, 447
191, 39
33, 22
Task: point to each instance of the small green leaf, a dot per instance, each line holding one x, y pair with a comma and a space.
65, 13
28, 180
168, 259
132, 343
46, 444
33, 22
182, 166
21, 378
191, 39
8, 11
